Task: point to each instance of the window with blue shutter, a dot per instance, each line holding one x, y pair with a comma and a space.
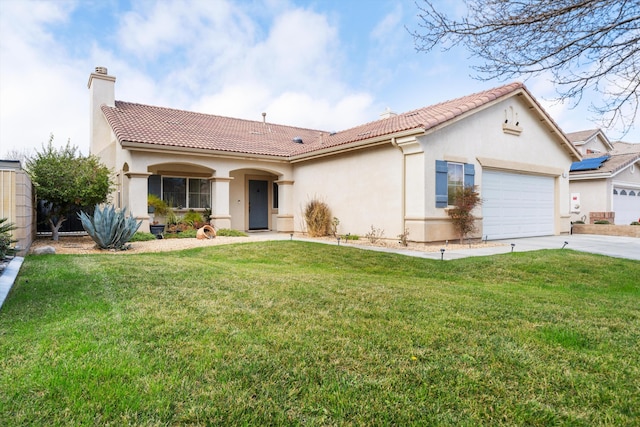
450, 176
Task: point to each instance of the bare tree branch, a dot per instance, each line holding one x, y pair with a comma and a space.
582, 44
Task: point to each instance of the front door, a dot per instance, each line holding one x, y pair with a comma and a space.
258, 205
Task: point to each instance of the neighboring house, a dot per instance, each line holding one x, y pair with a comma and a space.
395, 174
592, 141
605, 185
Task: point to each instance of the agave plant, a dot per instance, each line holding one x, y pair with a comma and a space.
109, 227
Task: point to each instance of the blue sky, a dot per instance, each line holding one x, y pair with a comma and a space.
325, 64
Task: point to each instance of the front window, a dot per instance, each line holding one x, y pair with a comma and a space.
455, 180
174, 191
198, 193
177, 192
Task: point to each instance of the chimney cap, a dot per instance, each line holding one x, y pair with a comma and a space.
101, 70
388, 113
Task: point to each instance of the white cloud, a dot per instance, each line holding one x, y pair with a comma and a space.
40, 86
322, 114
293, 74
207, 56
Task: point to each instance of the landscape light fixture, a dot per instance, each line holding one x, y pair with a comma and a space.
291, 236
565, 244
442, 254
513, 245
338, 240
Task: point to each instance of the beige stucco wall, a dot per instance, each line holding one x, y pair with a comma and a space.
362, 189
595, 196
16, 204
629, 177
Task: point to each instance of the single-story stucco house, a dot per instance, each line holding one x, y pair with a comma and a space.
605, 185
394, 174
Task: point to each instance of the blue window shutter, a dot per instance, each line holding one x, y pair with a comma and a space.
469, 172
441, 184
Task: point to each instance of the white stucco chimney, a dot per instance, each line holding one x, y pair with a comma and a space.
387, 113
101, 92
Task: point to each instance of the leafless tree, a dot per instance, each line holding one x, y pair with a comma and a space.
15, 154
581, 44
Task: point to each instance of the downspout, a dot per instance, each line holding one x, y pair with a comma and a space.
404, 185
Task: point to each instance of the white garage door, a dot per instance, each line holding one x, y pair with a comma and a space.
516, 205
626, 204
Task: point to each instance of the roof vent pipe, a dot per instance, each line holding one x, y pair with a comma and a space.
264, 118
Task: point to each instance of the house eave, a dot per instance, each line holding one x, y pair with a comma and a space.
600, 175
148, 148
356, 145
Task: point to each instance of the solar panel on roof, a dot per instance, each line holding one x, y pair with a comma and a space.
588, 164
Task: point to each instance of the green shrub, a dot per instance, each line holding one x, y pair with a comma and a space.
5, 238
318, 218
635, 223
230, 233
171, 218
159, 206
186, 234
141, 236
193, 219
109, 227
602, 221
350, 236
577, 222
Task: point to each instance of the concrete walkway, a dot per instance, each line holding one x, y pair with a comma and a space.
613, 246
8, 277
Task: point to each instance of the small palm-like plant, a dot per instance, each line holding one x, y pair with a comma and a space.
5, 238
109, 227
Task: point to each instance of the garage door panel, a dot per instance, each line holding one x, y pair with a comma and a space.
517, 205
626, 207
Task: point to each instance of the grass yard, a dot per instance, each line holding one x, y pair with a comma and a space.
296, 333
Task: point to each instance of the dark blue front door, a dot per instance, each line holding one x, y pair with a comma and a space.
258, 205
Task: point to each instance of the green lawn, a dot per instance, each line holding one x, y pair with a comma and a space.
295, 333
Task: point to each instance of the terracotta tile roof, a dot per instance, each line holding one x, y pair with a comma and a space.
184, 129
421, 119
168, 127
